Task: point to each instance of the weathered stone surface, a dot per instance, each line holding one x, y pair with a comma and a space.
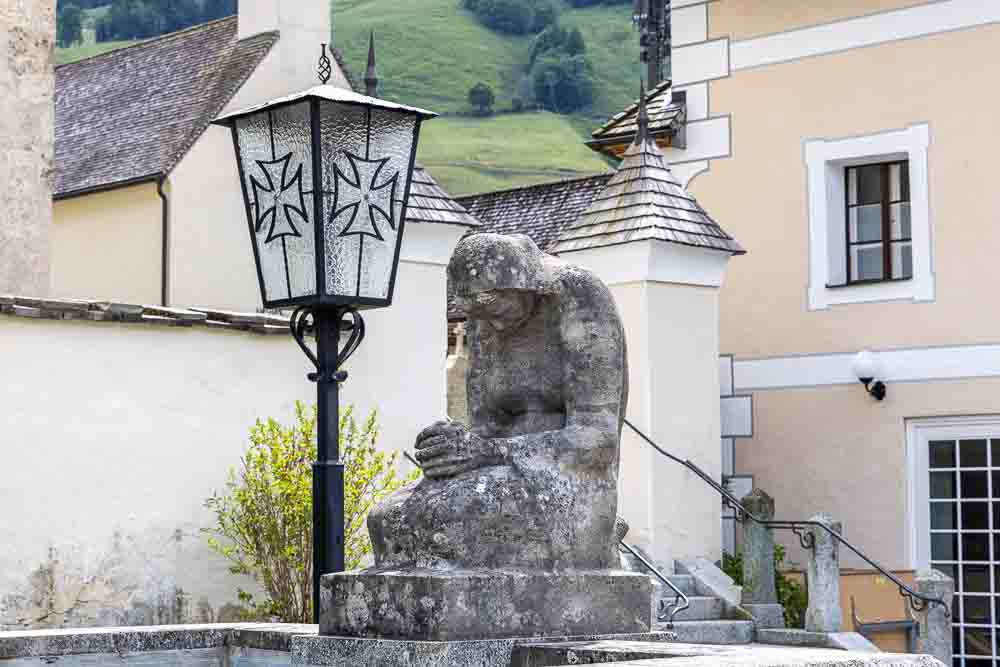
532, 481
758, 656
935, 636
511, 530
758, 551
823, 613
848, 641
344, 652
455, 605
710, 580
27, 84
713, 632
767, 615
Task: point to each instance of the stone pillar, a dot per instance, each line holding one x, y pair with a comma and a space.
823, 613
760, 595
935, 635
758, 551
27, 84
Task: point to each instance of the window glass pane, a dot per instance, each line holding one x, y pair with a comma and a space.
905, 174
978, 641
899, 221
972, 453
995, 452
944, 546
902, 260
942, 453
866, 223
975, 546
974, 485
898, 182
870, 184
975, 516
852, 186
996, 521
976, 578
866, 262
942, 516
942, 485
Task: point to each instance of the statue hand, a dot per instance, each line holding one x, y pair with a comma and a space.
446, 449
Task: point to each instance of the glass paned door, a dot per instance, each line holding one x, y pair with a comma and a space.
963, 518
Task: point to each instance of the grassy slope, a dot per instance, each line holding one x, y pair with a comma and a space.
478, 154
431, 52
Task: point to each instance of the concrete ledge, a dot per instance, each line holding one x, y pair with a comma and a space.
846, 641
119, 641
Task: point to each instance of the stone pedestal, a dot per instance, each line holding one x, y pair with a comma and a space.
435, 605
935, 636
823, 613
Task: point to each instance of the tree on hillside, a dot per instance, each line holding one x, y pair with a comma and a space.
563, 84
481, 96
69, 25
575, 45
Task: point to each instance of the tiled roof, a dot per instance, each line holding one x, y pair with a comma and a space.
644, 201
540, 211
106, 311
428, 202
133, 113
666, 118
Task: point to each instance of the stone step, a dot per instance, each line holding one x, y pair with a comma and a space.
701, 609
685, 582
554, 654
710, 632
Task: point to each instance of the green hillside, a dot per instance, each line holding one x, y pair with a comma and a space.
430, 52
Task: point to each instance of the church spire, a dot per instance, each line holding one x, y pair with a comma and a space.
371, 75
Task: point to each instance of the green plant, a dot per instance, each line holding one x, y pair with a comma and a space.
791, 594
263, 520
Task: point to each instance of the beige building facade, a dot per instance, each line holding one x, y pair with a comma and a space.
802, 116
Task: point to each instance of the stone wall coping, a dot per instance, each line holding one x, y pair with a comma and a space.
35, 643
111, 311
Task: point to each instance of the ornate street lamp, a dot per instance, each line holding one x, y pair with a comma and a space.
326, 178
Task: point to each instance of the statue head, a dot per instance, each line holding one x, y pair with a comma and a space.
497, 278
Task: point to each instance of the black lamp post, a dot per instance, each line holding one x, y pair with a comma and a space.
326, 177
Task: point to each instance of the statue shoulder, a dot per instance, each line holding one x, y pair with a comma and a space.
584, 289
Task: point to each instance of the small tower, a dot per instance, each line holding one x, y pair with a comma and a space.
664, 259
371, 74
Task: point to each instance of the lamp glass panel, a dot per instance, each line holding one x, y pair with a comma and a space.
366, 161
276, 162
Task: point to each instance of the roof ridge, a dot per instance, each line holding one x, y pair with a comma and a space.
153, 40
546, 184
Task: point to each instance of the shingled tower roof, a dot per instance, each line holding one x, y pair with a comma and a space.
429, 202
667, 112
644, 201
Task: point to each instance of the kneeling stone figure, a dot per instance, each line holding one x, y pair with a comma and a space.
511, 531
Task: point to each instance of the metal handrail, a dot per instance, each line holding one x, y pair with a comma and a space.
918, 602
681, 601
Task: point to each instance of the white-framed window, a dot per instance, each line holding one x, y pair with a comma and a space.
953, 488
869, 218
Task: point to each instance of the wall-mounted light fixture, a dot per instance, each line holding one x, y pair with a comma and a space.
866, 369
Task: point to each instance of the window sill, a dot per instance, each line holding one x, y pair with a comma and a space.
862, 283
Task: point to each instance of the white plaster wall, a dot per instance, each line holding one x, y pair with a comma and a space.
127, 428
672, 332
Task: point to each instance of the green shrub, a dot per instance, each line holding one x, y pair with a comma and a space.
263, 520
791, 595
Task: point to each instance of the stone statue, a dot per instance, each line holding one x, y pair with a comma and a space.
532, 482
511, 532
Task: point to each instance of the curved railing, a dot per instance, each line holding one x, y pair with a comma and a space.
663, 612
918, 602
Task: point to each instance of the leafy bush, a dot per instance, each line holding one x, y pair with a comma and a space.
69, 25
514, 17
482, 98
263, 521
791, 595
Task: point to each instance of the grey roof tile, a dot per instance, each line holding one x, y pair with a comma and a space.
132, 113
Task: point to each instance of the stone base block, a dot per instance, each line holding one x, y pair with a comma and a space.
433, 605
767, 615
316, 651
